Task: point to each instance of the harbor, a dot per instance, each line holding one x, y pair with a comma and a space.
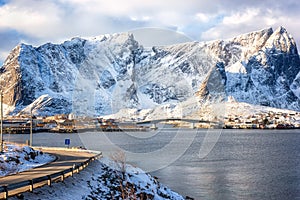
63, 124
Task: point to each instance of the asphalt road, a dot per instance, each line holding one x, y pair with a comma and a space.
65, 160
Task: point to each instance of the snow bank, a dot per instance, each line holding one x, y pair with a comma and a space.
17, 158
103, 179
111, 182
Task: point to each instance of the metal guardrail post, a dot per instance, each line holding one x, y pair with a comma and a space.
49, 181
30, 185
77, 168
5, 192
62, 175
72, 171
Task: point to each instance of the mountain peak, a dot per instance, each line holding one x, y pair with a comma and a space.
105, 74
282, 41
280, 30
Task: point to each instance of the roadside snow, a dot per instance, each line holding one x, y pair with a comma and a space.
17, 158
103, 179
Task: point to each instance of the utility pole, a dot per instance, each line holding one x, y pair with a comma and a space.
30, 127
1, 128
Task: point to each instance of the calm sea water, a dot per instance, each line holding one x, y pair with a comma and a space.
244, 164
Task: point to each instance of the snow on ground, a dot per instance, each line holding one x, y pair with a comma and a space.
16, 158
104, 179
193, 109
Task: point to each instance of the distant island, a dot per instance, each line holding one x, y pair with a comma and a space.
71, 124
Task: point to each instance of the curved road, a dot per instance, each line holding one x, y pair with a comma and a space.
65, 160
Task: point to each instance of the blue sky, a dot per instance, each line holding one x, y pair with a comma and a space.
39, 21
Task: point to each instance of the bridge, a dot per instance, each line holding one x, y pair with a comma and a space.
154, 122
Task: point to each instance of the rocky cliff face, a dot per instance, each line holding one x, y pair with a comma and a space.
105, 74
261, 68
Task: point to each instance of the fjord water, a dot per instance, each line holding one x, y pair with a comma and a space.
244, 164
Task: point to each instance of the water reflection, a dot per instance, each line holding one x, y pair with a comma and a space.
244, 164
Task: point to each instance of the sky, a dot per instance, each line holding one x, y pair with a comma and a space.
37, 22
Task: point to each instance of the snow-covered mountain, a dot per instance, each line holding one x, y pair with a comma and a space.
102, 75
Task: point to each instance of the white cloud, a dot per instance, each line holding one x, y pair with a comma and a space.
50, 19
201, 17
31, 17
140, 18
252, 19
246, 16
58, 20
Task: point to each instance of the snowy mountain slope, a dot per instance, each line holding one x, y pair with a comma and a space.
105, 74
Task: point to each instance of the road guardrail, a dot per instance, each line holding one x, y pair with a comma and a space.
29, 185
